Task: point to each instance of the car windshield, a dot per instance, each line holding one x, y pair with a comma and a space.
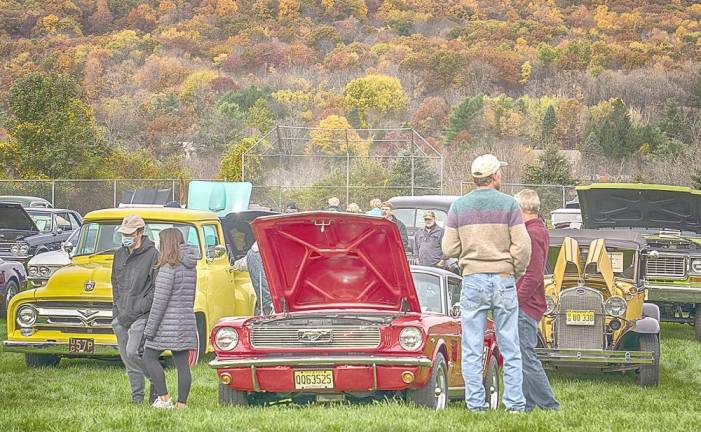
96, 237
42, 220
428, 287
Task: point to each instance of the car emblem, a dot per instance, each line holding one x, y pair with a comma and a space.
87, 312
315, 336
89, 285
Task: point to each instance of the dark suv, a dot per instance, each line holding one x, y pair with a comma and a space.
25, 232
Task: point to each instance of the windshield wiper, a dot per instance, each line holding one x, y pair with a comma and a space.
102, 252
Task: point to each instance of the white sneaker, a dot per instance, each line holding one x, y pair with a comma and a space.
160, 403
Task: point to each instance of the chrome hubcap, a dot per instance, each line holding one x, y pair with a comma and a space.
441, 392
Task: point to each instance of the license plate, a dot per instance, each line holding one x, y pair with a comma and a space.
313, 379
81, 345
582, 318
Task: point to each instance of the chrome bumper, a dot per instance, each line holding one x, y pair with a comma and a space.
673, 293
58, 348
598, 357
226, 363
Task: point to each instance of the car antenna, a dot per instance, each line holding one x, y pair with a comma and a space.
404, 305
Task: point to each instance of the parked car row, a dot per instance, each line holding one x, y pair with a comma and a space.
352, 318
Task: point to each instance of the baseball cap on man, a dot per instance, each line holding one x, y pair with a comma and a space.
486, 165
130, 224
429, 214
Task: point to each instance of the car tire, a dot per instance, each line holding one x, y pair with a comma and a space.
11, 289
231, 397
491, 383
41, 360
434, 394
697, 322
649, 375
194, 356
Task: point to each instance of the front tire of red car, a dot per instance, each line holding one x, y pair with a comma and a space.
491, 383
434, 394
231, 397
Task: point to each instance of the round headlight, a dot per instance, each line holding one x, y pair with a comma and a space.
14, 249
24, 249
226, 339
549, 305
33, 271
45, 271
26, 316
696, 266
615, 306
411, 338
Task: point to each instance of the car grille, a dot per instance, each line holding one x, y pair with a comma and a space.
71, 317
315, 334
5, 248
578, 336
666, 266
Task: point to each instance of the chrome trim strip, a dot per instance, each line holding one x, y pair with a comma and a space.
225, 363
550, 355
57, 348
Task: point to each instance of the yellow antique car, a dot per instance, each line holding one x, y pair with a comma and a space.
596, 314
71, 315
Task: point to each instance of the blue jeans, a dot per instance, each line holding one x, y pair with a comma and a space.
536, 387
481, 293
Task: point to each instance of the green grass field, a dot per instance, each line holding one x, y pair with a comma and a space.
87, 395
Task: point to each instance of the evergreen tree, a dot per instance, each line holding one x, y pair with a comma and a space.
547, 126
463, 117
695, 95
426, 179
551, 167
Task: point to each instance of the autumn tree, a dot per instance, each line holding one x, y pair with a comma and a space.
143, 17
288, 9
431, 116
374, 94
101, 19
232, 166
335, 136
54, 132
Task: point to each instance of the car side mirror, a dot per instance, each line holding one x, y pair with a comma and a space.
215, 252
59, 231
455, 310
67, 247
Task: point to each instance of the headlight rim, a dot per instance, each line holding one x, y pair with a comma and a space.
612, 299
550, 305
691, 265
48, 271
33, 271
235, 338
419, 334
19, 314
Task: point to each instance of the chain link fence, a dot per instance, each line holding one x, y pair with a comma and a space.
552, 197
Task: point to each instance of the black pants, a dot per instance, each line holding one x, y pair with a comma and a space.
158, 377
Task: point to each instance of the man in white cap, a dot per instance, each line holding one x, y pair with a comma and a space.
485, 231
133, 278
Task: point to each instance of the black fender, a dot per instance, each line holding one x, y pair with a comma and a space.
645, 325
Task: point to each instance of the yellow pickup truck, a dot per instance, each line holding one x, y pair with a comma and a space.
71, 315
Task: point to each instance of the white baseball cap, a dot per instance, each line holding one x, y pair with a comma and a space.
486, 165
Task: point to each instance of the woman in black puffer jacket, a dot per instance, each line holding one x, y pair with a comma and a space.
171, 323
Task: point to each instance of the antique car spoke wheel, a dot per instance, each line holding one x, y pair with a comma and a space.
491, 383
435, 393
10, 290
649, 375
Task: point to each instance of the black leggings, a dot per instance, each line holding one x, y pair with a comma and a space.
158, 377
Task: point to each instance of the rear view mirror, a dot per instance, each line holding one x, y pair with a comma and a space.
67, 247
219, 251
455, 310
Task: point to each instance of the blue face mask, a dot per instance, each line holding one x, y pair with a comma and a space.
127, 241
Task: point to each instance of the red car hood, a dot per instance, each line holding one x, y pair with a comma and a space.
330, 260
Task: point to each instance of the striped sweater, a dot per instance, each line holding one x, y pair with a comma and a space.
485, 231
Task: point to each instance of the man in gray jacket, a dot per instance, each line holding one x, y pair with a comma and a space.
133, 278
427, 242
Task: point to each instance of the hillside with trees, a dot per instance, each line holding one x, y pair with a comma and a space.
145, 89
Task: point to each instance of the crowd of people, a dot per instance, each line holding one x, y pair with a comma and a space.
497, 242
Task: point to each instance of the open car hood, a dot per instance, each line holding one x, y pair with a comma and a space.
220, 197
14, 217
634, 205
330, 260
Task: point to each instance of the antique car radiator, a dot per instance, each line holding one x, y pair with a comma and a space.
580, 336
314, 333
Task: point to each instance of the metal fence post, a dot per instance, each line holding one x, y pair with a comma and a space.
114, 193
564, 197
347, 170
53, 192
412, 163
173, 191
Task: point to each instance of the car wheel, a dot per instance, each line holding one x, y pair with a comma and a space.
194, 355
11, 289
697, 322
491, 383
434, 394
649, 375
229, 396
41, 360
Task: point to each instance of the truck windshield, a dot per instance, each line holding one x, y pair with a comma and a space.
98, 237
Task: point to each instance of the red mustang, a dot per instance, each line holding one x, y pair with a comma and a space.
353, 320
